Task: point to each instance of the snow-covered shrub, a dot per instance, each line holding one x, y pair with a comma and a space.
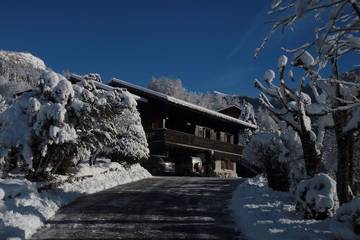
19, 72
294, 155
56, 125
36, 121
316, 197
349, 213
266, 151
118, 133
279, 155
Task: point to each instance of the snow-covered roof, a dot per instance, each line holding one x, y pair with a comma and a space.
183, 103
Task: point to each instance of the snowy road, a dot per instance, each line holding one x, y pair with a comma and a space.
155, 208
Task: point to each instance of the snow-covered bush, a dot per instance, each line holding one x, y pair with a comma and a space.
294, 156
279, 154
56, 125
19, 72
349, 213
316, 197
267, 152
118, 133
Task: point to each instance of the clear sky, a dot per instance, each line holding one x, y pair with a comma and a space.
208, 44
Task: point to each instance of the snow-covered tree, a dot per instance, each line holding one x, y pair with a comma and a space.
118, 133
296, 108
247, 112
56, 125
19, 72
213, 100
169, 86
336, 36
265, 151
279, 155
265, 121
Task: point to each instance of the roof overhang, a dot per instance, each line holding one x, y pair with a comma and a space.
151, 94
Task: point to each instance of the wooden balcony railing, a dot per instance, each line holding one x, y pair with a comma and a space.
169, 136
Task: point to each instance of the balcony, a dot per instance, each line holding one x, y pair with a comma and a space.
171, 137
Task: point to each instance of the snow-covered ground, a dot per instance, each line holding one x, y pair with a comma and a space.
23, 209
262, 213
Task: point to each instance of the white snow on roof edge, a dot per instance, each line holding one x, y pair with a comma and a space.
184, 103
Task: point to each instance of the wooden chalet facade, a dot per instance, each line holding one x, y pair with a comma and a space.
178, 130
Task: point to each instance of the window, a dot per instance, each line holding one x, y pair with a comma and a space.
226, 165
223, 164
218, 135
230, 165
200, 132
228, 138
207, 133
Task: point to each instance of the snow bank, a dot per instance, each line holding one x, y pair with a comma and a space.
349, 213
23, 209
262, 213
317, 196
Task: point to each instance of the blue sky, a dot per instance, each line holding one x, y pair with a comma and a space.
208, 44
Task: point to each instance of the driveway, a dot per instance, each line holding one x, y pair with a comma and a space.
154, 208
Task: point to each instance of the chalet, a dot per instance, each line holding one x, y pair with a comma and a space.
179, 131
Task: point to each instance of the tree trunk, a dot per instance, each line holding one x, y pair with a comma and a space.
312, 156
345, 142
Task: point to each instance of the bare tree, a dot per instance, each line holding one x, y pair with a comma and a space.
336, 35
296, 108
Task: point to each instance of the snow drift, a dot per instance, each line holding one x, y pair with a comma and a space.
262, 213
25, 205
